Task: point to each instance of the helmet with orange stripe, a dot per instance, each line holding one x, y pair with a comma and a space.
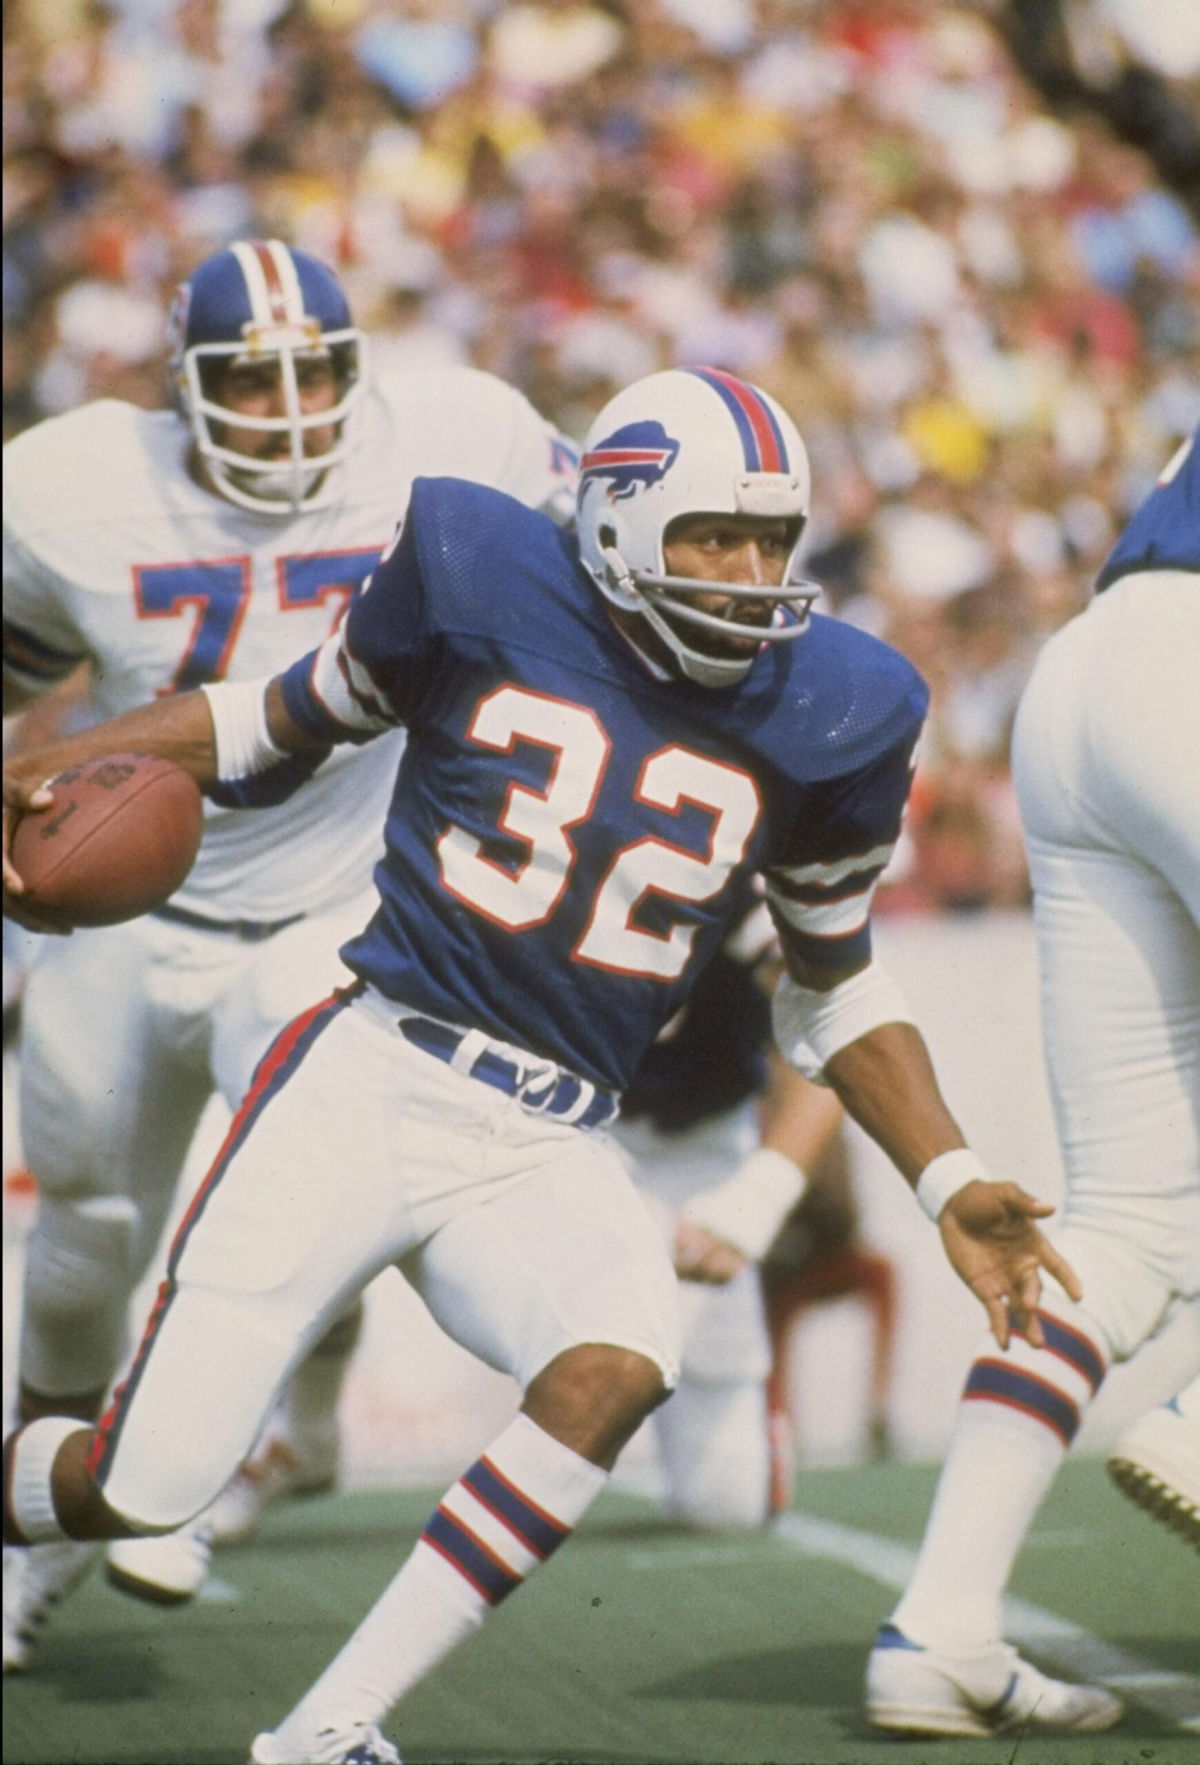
266, 366
687, 442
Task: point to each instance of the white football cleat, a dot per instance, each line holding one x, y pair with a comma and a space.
1156, 1463
275, 1474
916, 1690
167, 1570
350, 1743
36, 1578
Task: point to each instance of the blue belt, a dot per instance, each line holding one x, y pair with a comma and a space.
250, 931
563, 1094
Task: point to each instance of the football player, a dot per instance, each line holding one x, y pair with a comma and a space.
1104, 759
609, 733
722, 1136
213, 541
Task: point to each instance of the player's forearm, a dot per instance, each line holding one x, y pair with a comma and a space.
177, 729
886, 1081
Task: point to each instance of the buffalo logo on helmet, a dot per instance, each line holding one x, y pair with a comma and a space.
631, 458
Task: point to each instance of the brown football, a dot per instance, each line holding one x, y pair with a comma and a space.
120, 837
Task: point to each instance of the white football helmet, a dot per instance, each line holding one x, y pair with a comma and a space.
261, 300
690, 441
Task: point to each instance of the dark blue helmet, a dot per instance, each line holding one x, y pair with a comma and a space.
262, 301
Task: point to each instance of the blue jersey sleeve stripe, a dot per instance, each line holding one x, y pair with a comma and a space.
844, 950
305, 706
824, 894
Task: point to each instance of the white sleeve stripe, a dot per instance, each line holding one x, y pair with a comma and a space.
834, 919
332, 687
824, 876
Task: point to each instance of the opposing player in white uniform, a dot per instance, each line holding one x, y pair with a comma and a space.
721, 1135
1105, 762
210, 542
609, 734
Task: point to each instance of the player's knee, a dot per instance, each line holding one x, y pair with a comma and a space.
594, 1397
342, 1336
76, 1291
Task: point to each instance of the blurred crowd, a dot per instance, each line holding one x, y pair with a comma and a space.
984, 316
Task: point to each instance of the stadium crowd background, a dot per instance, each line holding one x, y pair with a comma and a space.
922, 225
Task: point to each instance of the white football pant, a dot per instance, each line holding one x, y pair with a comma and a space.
1106, 758
353, 1152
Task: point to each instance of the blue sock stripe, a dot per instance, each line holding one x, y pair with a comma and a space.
466, 1553
991, 1381
532, 1525
1073, 1347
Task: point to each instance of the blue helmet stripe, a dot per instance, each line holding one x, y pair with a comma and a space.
763, 446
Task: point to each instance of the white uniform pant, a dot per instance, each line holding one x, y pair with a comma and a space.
355, 1151
712, 1438
1106, 757
126, 1033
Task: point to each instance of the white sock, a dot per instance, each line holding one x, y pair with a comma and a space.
32, 1452
1019, 1413
502, 1518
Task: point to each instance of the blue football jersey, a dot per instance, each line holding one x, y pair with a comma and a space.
570, 833
1164, 534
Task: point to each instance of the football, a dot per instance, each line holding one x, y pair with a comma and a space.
121, 835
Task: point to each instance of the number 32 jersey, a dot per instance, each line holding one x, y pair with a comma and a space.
114, 555
569, 832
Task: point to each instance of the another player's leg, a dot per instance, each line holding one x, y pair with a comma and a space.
713, 1437
108, 1111
1156, 1462
564, 1275
271, 1250
299, 1452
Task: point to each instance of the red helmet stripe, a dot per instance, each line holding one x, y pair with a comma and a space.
276, 293
761, 436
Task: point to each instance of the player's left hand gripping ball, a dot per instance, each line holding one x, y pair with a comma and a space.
118, 838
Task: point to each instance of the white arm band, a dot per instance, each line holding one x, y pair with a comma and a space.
239, 714
810, 1027
945, 1175
748, 1209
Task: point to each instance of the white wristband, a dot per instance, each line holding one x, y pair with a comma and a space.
748, 1209
243, 741
945, 1175
810, 1027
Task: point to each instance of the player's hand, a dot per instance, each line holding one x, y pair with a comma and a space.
701, 1256
990, 1235
22, 796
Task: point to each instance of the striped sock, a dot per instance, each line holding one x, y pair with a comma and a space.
1020, 1411
502, 1518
